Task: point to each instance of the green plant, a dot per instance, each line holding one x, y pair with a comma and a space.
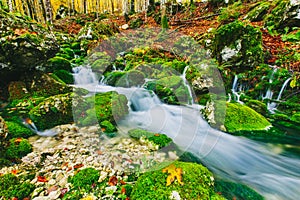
65, 76
18, 130
18, 147
296, 117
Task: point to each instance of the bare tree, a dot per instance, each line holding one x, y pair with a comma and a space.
48, 7
10, 5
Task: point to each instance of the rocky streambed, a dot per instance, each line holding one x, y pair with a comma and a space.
55, 159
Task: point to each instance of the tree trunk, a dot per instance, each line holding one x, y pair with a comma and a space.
42, 6
48, 11
10, 5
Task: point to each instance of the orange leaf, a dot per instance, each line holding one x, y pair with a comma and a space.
42, 179
18, 140
78, 166
156, 134
123, 190
113, 181
14, 171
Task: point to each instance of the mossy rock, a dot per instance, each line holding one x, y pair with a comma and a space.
18, 130
17, 148
108, 128
17, 90
113, 77
158, 139
197, 183
131, 78
258, 12
53, 111
242, 118
40, 84
258, 106
12, 186
85, 178
58, 63
284, 14
238, 44
232, 190
296, 117
109, 106
65, 76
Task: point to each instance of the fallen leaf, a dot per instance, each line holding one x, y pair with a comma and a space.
122, 182
173, 173
123, 190
113, 181
78, 166
42, 179
14, 171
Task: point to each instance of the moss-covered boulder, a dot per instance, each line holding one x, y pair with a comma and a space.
187, 180
109, 106
258, 106
12, 186
296, 117
17, 90
97, 30
131, 78
17, 148
18, 130
238, 44
53, 111
242, 118
23, 45
284, 14
171, 90
58, 63
65, 76
158, 139
258, 12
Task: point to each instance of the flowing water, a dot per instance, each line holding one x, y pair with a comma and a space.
275, 176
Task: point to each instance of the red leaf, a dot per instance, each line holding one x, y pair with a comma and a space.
123, 190
122, 182
78, 166
42, 179
113, 181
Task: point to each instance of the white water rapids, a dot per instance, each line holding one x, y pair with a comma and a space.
238, 159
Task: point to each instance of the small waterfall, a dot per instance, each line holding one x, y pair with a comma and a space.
275, 176
235, 91
85, 78
269, 93
29, 123
282, 88
238, 159
186, 83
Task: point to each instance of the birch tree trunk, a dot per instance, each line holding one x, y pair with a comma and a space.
48, 11
10, 5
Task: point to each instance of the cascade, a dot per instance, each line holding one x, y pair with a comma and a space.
235, 91
275, 176
186, 83
269, 93
282, 88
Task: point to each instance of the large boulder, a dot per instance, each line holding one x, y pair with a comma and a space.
179, 180
242, 118
53, 111
286, 13
238, 44
36, 83
23, 45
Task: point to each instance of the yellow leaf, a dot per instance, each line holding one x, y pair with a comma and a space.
293, 82
173, 173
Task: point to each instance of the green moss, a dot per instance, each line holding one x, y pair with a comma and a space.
53, 111
113, 77
18, 130
258, 106
65, 76
197, 184
296, 117
131, 78
240, 117
250, 52
108, 128
58, 63
11, 186
258, 12
85, 179
18, 149
136, 23
159, 139
232, 190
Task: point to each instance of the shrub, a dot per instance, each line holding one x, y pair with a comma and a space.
18, 148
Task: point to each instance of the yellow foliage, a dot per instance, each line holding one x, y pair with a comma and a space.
173, 173
88, 198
